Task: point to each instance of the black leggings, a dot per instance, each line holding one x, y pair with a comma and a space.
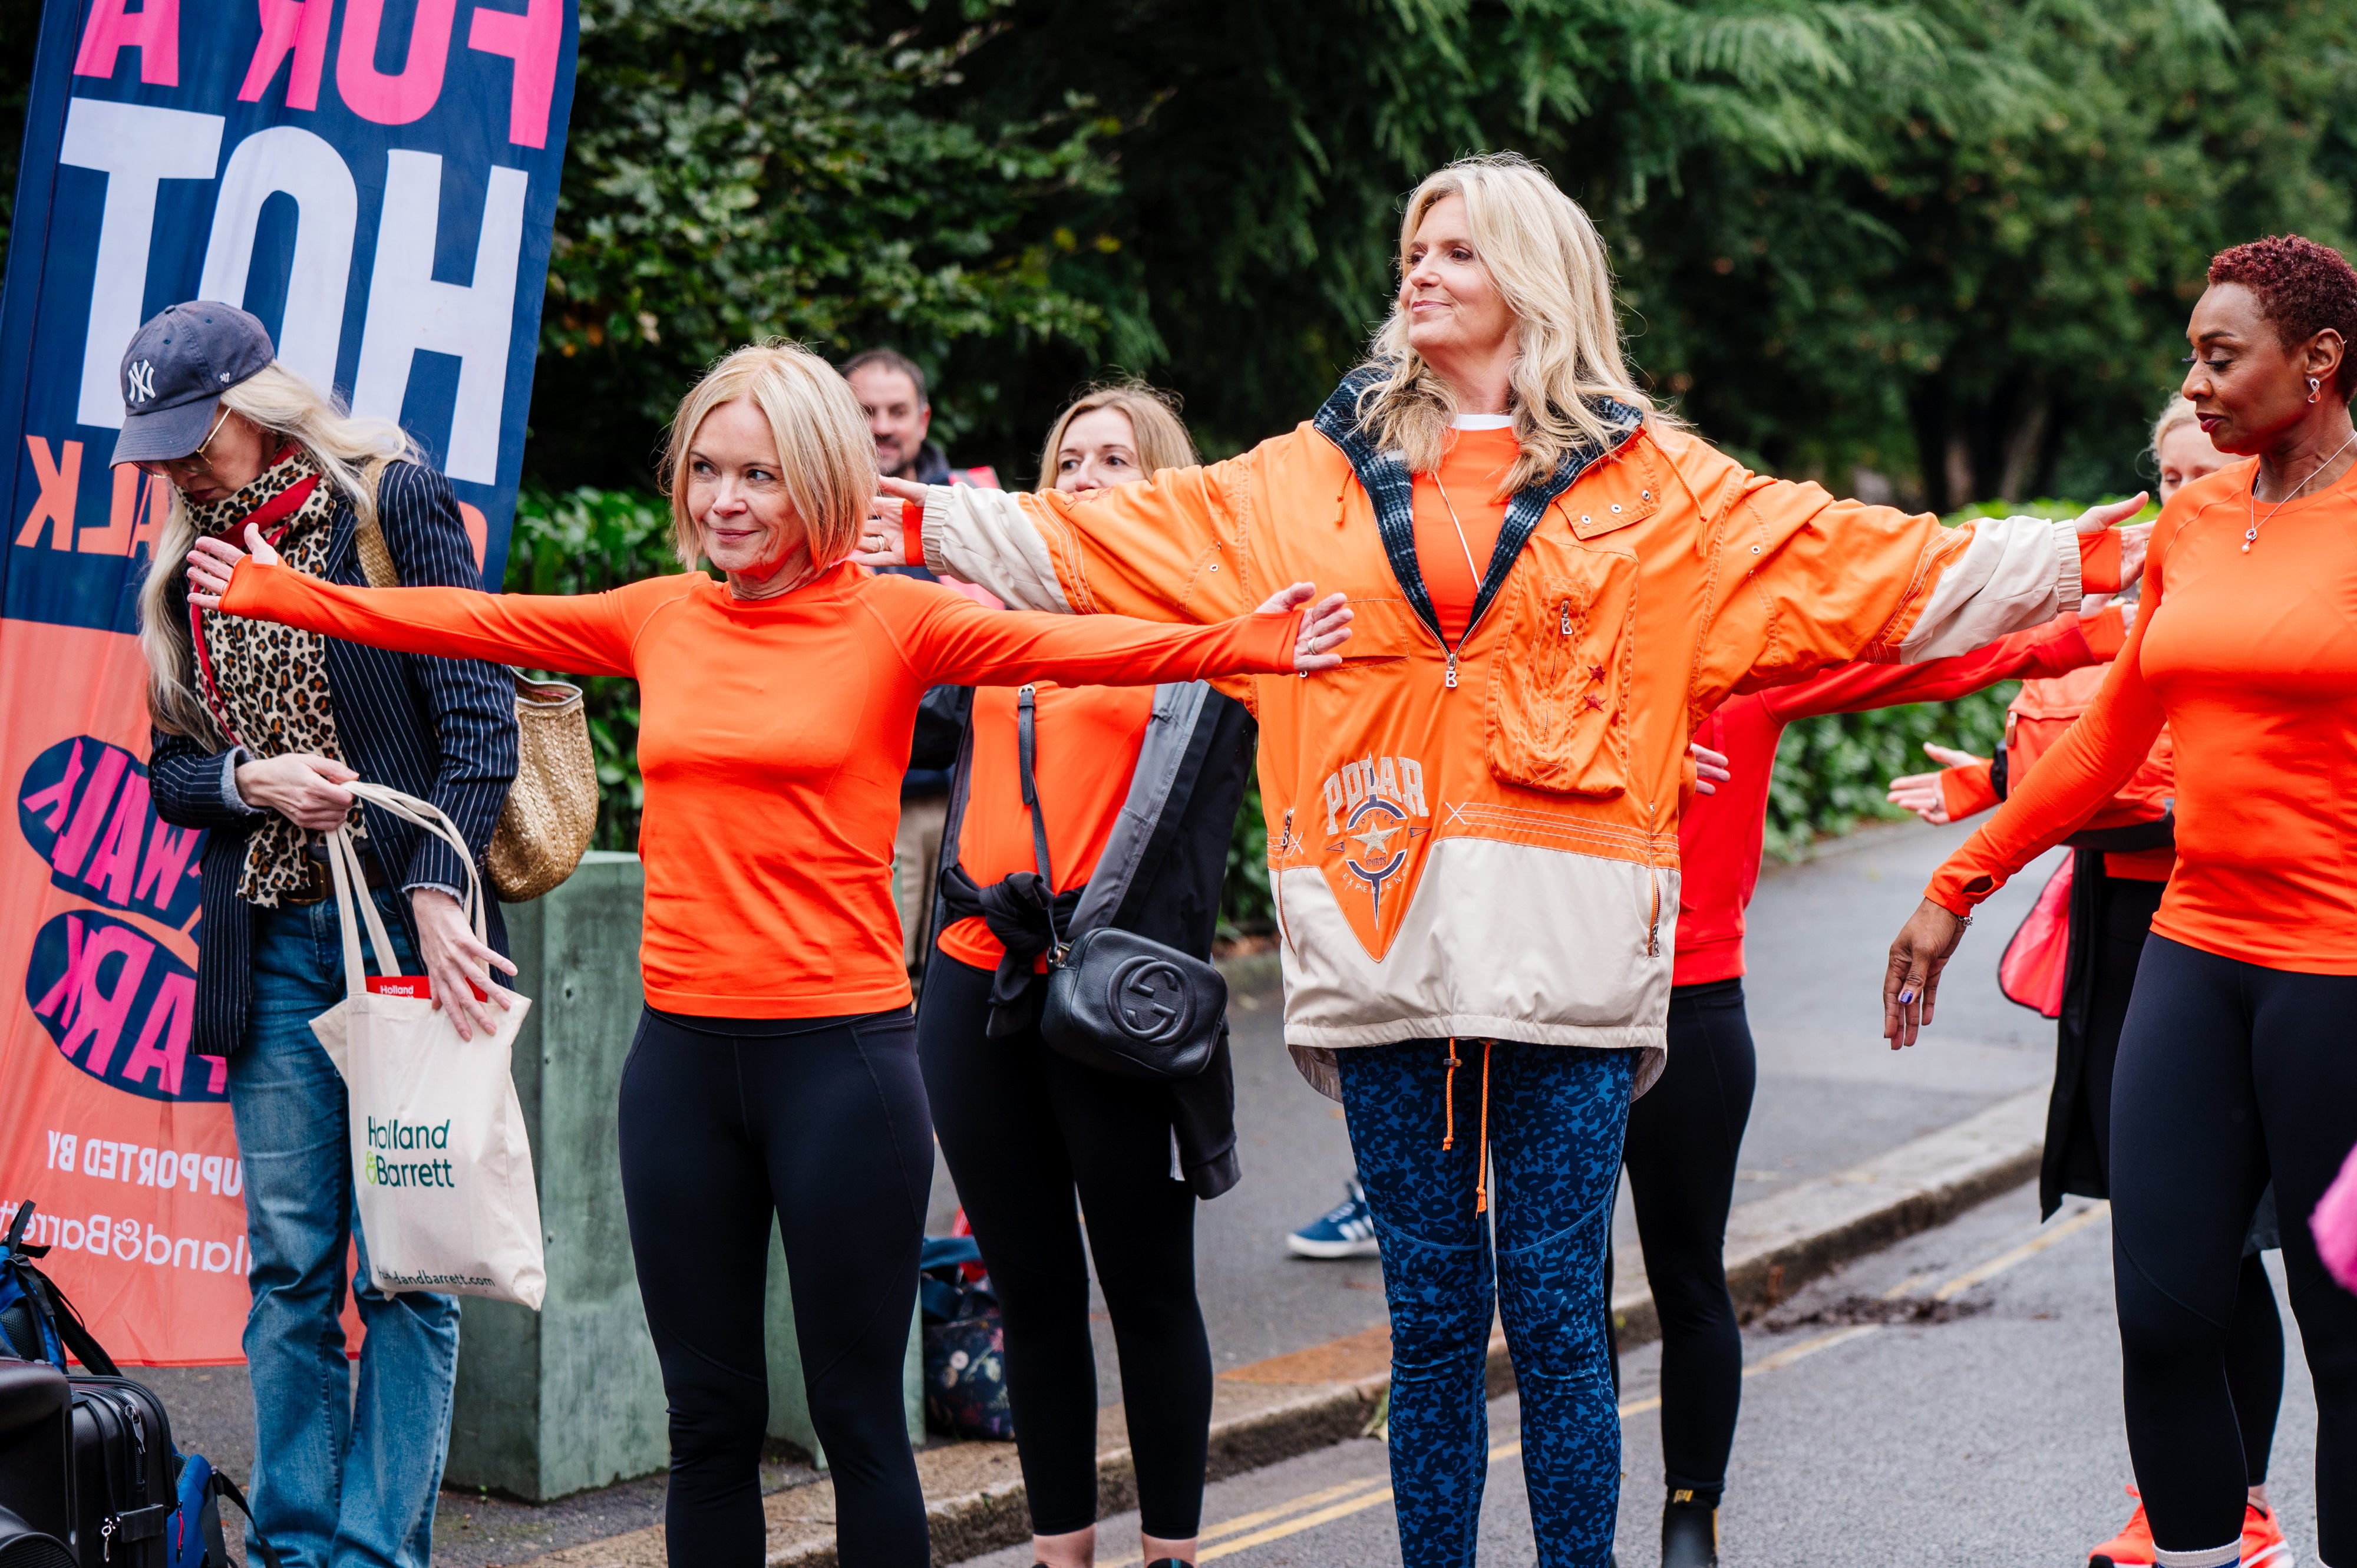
822, 1123
2228, 1074
2255, 1341
1684, 1134
1021, 1128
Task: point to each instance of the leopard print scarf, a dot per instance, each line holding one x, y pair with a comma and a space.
266, 684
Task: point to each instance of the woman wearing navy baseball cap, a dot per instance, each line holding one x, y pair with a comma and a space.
257, 729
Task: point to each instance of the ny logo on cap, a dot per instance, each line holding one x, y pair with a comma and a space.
143, 381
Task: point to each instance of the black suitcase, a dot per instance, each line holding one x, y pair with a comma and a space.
123, 1484
35, 1507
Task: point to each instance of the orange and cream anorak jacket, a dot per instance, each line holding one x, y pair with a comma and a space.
1482, 842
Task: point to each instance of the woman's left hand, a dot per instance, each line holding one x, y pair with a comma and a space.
1710, 768
211, 561
458, 964
882, 538
1325, 628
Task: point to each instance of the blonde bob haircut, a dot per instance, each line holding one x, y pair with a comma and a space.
1160, 436
826, 457
353, 453
1548, 262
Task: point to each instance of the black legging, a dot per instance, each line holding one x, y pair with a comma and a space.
1021, 1128
1684, 1134
2255, 1341
2228, 1073
822, 1123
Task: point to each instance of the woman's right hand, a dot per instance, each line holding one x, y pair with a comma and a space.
881, 540
301, 787
211, 561
1912, 984
1920, 792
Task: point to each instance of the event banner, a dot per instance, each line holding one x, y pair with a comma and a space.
375, 180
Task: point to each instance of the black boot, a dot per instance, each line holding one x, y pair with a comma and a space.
1689, 1533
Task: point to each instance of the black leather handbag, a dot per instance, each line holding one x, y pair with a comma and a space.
1118, 1002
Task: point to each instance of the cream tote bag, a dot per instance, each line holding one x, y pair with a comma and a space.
440, 1161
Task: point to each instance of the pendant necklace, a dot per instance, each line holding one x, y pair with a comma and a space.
2257, 521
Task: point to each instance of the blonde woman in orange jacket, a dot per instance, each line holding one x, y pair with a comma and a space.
1473, 824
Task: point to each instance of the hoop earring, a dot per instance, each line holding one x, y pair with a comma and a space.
2314, 386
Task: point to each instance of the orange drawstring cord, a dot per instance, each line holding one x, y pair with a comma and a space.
1448, 1138
1482, 1173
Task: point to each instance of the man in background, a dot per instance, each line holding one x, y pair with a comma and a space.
890, 388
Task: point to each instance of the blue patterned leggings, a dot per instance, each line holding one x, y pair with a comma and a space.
1556, 1117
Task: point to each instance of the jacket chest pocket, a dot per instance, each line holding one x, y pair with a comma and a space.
1558, 705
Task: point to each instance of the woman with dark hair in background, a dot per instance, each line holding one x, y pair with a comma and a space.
2234, 1063
1138, 789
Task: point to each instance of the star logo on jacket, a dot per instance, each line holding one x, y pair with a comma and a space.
1370, 807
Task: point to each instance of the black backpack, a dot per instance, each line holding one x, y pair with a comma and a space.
129, 1497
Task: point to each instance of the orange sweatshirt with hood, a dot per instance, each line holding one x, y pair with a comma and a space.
1480, 839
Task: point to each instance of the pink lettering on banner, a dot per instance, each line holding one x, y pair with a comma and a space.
86, 808
154, 30
534, 40
299, 27
394, 99
97, 985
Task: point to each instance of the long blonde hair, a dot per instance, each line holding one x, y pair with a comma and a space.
1548, 262
1161, 437
351, 452
825, 449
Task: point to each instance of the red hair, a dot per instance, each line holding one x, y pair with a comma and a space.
2304, 288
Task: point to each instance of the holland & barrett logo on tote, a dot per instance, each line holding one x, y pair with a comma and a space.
382, 1165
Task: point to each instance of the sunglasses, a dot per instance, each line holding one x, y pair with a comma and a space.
189, 467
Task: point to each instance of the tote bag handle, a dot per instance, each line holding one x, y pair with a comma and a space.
344, 869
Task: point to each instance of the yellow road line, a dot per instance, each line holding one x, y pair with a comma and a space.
1268, 1524
1981, 1274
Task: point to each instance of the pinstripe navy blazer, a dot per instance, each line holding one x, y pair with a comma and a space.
441, 729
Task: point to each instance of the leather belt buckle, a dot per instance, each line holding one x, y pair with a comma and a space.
318, 889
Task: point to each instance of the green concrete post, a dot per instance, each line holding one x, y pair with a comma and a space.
571, 1398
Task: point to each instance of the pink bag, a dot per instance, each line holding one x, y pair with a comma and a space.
2037, 960
2334, 1225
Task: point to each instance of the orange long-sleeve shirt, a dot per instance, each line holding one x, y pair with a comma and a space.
772, 737
2247, 658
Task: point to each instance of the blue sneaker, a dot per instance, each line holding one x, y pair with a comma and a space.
1345, 1230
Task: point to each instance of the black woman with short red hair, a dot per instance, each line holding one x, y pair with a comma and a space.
2234, 1061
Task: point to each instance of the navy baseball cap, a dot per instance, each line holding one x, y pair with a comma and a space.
177, 366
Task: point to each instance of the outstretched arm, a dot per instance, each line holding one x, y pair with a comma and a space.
582, 633
2086, 767
950, 641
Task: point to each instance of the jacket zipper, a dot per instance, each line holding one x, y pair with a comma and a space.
1652, 884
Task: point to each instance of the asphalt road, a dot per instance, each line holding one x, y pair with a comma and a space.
1988, 1432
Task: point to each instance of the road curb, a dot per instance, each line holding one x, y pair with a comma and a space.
1294, 1404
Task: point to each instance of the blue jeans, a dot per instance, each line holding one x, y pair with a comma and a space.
337, 1481
1556, 1114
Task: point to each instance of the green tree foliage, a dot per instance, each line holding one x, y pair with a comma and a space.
740, 169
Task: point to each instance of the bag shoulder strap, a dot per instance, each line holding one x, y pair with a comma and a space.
375, 555
1162, 760
72, 1331
1025, 743
226, 1488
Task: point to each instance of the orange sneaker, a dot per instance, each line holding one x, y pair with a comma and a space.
2264, 1545
2132, 1547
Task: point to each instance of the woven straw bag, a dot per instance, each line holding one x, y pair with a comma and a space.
551, 808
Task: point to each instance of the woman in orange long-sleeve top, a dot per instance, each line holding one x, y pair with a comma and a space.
2235, 1062
775, 1069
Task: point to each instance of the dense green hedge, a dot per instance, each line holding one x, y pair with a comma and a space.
1830, 772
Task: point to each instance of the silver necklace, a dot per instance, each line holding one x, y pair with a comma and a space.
1462, 543
2257, 521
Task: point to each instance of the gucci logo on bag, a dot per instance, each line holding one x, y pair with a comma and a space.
1149, 1000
